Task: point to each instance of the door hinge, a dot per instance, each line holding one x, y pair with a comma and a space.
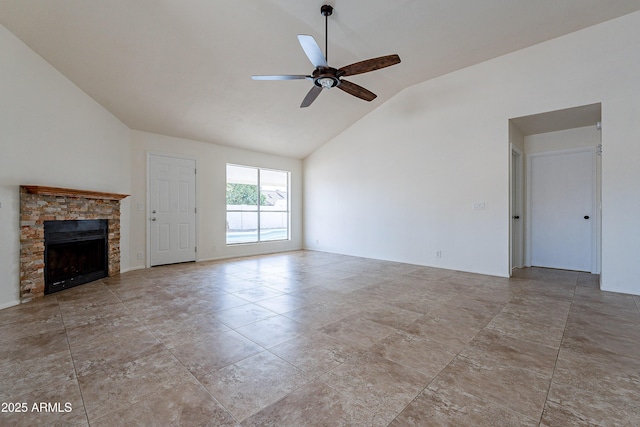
195, 171
196, 249
195, 210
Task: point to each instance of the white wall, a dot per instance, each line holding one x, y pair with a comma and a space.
438, 147
516, 137
567, 139
53, 134
211, 161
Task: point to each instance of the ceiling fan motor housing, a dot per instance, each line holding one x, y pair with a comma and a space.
326, 77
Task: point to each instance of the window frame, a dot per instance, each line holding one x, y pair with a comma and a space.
259, 206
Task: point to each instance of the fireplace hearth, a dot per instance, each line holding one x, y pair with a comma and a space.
75, 252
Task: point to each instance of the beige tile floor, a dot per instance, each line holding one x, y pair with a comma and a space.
310, 338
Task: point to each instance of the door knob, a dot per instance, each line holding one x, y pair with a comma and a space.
516, 217
586, 217
153, 218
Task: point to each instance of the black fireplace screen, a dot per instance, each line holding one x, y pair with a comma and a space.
75, 253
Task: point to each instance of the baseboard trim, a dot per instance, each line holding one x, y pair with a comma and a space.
9, 304
138, 267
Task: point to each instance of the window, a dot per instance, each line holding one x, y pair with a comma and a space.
257, 205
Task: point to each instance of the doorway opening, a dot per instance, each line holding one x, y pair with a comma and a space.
555, 189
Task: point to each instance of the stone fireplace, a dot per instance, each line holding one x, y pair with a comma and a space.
49, 204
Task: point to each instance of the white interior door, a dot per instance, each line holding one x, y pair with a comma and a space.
562, 209
172, 210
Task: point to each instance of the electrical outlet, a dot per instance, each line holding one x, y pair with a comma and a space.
439, 254
478, 206
140, 255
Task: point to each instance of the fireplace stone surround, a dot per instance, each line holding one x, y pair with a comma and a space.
39, 204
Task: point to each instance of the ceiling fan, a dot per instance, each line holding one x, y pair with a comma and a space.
326, 77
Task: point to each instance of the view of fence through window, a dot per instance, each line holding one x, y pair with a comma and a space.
257, 205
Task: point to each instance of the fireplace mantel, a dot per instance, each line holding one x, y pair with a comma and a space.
70, 192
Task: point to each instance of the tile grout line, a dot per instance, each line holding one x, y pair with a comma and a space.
116, 296
450, 362
503, 298
553, 373
73, 359
73, 362
171, 351
312, 379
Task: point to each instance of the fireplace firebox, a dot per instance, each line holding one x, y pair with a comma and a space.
75, 252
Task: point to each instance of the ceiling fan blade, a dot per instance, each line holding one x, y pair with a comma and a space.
311, 96
283, 77
369, 65
356, 90
313, 51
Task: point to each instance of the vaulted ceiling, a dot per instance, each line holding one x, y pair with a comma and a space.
183, 68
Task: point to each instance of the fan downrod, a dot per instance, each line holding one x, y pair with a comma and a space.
326, 10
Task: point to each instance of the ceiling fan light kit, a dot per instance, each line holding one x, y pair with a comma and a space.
326, 77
